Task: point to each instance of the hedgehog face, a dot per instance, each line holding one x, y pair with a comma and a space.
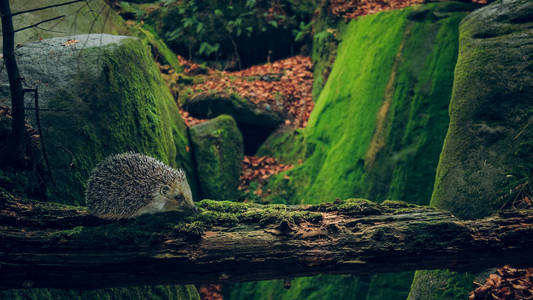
177, 196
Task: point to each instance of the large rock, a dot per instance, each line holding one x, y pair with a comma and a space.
487, 158
488, 152
218, 152
100, 96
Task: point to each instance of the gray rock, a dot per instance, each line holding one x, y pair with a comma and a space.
50, 66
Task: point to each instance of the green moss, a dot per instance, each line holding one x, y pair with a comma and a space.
210, 104
125, 106
324, 49
218, 153
389, 286
286, 144
378, 125
386, 149
224, 206
159, 49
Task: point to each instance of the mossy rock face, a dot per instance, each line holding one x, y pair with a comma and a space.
377, 128
100, 96
488, 152
486, 161
218, 152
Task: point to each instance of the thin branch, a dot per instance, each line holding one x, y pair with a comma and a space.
39, 23
49, 30
41, 137
46, 109
45, 7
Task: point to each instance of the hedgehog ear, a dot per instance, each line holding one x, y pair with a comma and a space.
165, 189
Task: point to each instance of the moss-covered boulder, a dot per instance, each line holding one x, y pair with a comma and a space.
218, 153
377, 128
101, 95
487, 158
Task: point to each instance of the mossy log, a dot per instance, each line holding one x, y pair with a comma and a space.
52, 245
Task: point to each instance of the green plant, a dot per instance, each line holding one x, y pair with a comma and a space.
212, 29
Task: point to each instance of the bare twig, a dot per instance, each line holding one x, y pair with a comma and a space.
45, 7
41, 137
39, 23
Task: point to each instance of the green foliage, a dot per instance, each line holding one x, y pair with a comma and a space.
212, 29
328, 33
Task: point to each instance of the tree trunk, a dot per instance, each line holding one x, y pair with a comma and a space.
17, 147
50, 245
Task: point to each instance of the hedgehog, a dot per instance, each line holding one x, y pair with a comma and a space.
128, 185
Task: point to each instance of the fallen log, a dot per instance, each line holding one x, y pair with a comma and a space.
53, 245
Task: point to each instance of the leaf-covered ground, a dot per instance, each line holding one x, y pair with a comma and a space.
259, 169
283, 85
506, 283
351, 9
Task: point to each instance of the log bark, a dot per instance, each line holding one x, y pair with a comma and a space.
52, 245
